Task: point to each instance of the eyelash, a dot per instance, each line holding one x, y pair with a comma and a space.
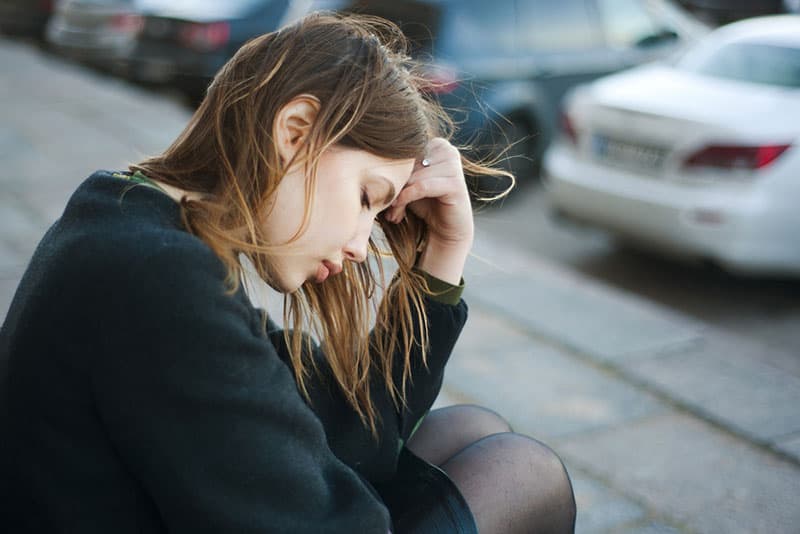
365, 199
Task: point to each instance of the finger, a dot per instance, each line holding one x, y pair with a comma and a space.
437, 150
426, 163
439, 188
447, 167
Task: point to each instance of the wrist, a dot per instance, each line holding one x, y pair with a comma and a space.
445, 260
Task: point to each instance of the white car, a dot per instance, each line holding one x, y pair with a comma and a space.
699, 156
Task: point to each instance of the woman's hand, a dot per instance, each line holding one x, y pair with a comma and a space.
437, 193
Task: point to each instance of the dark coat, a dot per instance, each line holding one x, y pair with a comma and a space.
139, 397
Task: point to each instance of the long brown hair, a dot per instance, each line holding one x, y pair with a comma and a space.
372, 98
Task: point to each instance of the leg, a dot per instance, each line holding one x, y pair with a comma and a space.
446, 431
513, 483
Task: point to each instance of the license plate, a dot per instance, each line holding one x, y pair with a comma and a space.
628, 154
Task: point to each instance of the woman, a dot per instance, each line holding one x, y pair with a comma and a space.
144, 392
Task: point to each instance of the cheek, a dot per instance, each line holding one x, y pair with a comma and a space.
285, 215
338, 212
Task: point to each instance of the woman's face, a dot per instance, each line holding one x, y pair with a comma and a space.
352, 187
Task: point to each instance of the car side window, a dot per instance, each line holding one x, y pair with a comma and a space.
479, 27
562, 25
627, 23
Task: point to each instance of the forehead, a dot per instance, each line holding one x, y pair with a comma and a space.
368, 165
397, 171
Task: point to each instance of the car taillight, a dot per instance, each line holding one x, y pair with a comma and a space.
736, 157
205, 37
440, 80
567, 128
127, 23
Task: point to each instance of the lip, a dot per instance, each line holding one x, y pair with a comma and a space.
325, 269
333, 268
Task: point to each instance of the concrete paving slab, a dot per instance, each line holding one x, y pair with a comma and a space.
8, 286
491, 333
57, 133
653, 527
724, 382
600, 509
10, 259
113, 101
607, 324
12, 143
22, 230
789, 444
605, 331
694, 473
541, 391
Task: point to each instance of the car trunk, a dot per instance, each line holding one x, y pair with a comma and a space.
684, 101
645, 118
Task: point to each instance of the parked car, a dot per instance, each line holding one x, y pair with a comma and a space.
718, 12
25, 17
100, 32
185, 42
502, 67
698, 157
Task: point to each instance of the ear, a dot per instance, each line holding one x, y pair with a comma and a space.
293, 124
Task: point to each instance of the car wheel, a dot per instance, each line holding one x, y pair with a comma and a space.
517, 136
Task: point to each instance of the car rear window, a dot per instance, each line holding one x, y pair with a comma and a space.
518, 27
514, 28
556, 26
456, 26
480, 28
750, 62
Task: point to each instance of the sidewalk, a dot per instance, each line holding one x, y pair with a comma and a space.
666, 424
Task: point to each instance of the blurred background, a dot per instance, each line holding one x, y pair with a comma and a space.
656, 149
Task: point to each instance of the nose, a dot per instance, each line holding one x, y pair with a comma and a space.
356, 248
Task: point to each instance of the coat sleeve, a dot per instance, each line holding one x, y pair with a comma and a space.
208, 419
349, 439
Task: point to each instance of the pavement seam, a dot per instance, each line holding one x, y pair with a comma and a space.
789, 435
650, 513
659, 392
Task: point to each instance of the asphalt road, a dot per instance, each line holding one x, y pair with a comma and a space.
766, 309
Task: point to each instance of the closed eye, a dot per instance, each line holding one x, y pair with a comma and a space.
365, 202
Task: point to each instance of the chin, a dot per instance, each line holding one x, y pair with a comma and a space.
282, 285
287, 287
283, 278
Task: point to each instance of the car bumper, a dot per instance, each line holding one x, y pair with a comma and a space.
98, 45
168, 64
739, 226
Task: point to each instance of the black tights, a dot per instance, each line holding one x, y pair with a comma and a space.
512, 483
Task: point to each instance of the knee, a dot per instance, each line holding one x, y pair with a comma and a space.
548, 478
478, 417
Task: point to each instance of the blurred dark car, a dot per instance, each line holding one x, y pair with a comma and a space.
718, 12
96, 31
185, 42
25, 17
502, 67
